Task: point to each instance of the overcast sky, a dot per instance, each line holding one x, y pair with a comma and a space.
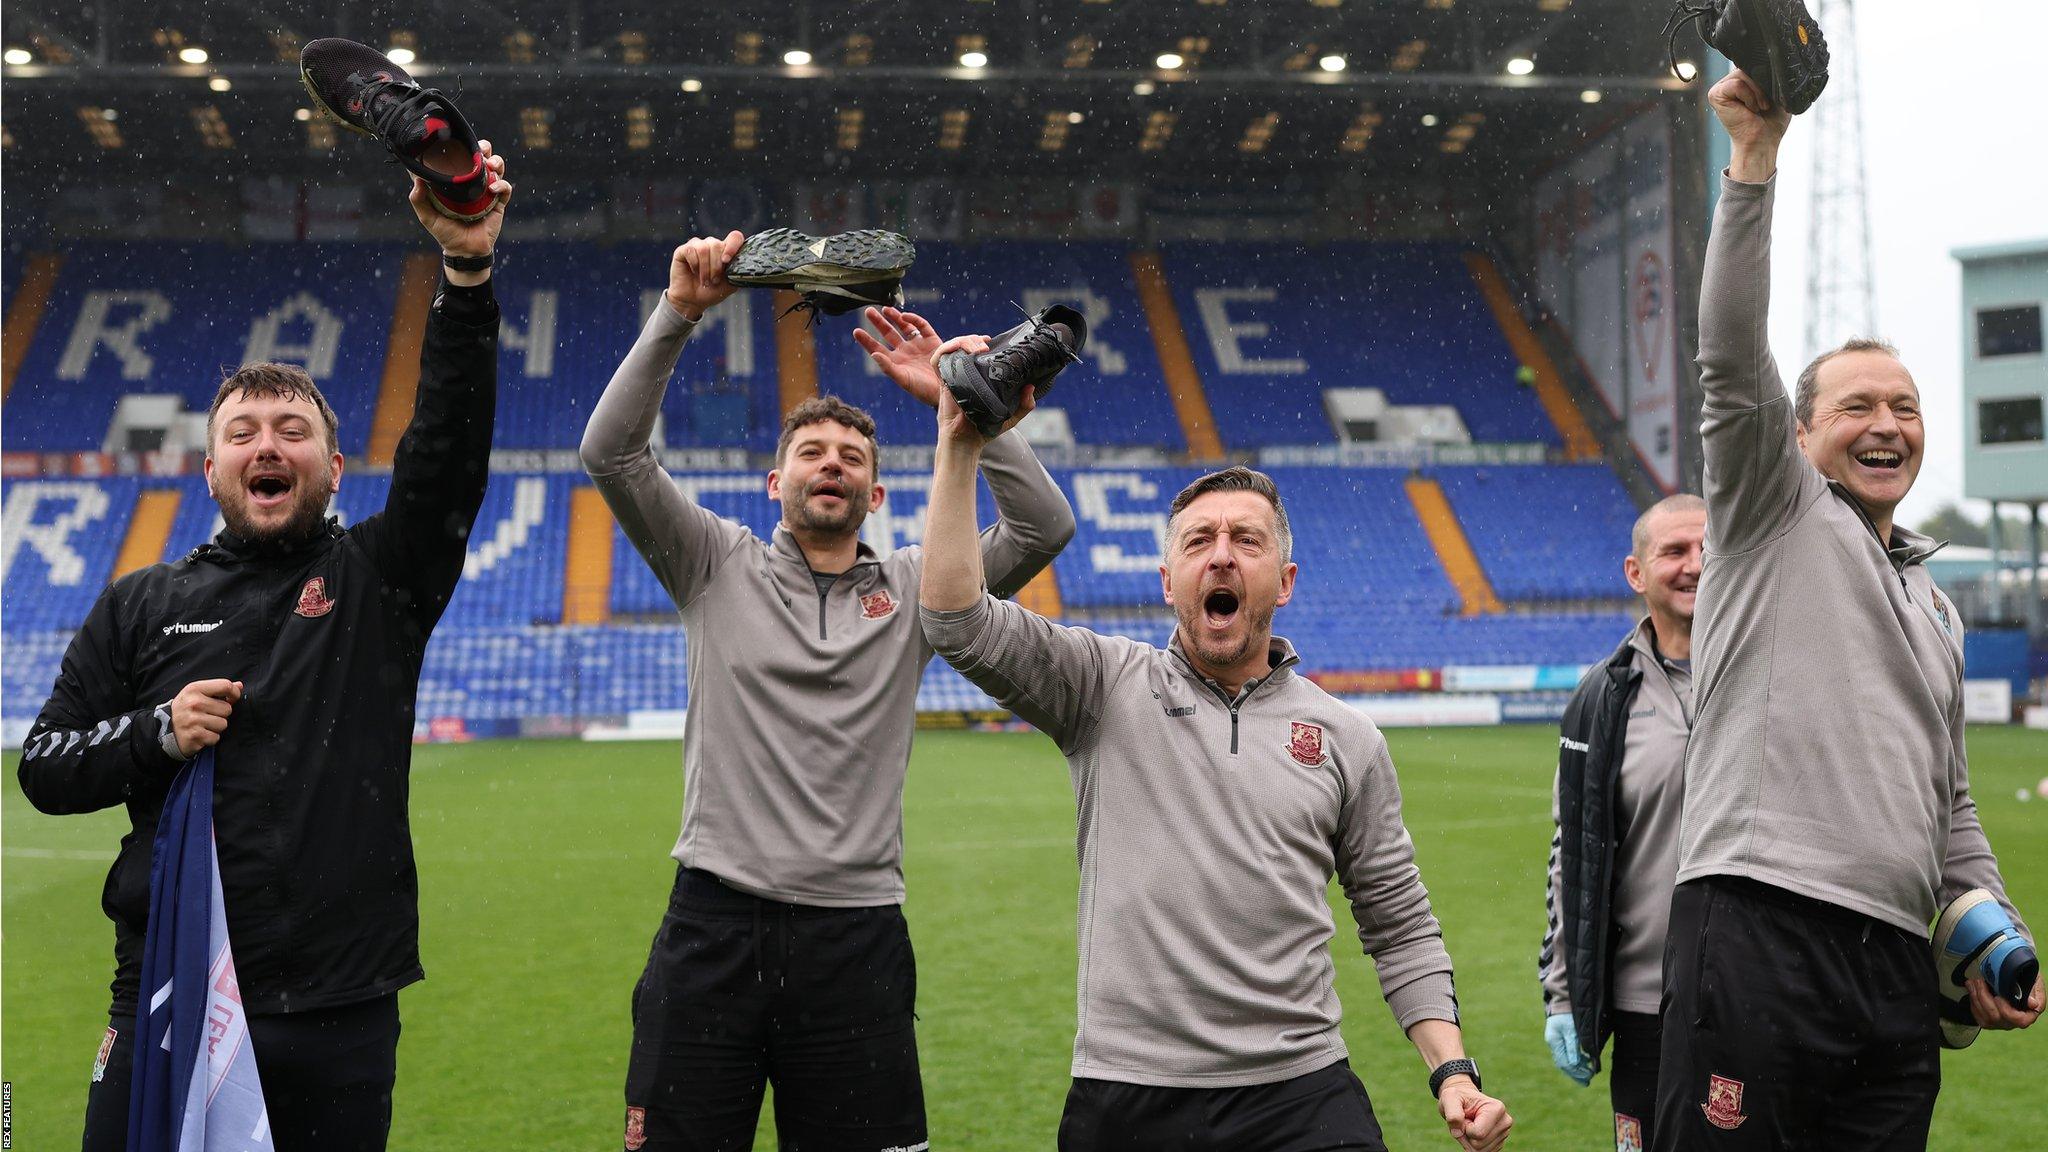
1955, 138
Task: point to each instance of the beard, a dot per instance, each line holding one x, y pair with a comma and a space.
1223, 652
308, 511
852, 511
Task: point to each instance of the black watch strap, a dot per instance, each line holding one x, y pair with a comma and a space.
1459, 1066
467, 263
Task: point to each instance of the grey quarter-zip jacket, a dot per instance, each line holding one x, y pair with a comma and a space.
1827, 755
1648, 786
1208, 829
802, 701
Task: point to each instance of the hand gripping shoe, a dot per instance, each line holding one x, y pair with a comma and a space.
990, 384
833, 274
1777, 42
1974, 937
362, 90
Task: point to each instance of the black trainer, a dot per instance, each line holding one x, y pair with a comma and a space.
834, 274
1777, 42
363, 91
989, 384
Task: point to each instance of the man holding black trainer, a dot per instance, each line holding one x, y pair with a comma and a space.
783, 956
292, 647
1827, 810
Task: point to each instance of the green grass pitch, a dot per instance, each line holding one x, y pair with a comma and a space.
544, 871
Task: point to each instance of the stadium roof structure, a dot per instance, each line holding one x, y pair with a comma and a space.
1110, 88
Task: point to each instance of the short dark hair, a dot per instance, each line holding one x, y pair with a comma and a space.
819, 409
1809, 379
1639, 536
1238, 479
284, 381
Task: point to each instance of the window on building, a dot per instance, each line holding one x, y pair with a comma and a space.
2008, 331
2009, 421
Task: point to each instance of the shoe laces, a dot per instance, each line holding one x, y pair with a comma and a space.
396, 111
1035, 352
1682, 15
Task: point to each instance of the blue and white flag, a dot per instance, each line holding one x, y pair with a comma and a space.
195, 1086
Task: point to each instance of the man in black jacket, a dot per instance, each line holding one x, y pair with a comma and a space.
292, 646
1614, 858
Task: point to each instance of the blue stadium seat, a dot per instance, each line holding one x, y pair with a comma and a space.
1545, 533
1272, 325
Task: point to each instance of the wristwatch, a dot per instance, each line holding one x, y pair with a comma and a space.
1459, 1066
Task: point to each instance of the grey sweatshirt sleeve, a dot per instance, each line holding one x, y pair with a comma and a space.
1550, 961
1376, 864
1970, 863
1755, 473
1056, 678
685, 544
1033, 519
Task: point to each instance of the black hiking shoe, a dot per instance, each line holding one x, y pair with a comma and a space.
1777, 42
363, 91
990, 384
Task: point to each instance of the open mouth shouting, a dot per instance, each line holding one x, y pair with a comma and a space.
1220, 608
270, 489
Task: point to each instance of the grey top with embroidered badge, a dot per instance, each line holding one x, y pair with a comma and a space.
802, 697
1827, 755
1209, 828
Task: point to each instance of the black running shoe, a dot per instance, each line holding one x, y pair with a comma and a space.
1777, 42
834, 274
989, 384
363, 91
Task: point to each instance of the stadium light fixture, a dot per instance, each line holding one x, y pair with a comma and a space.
302, 115
693, 85
192, 55
1168, 61
1144, 88
1429, 119
220, 84
1590, 96
1521, 66
400, 55
1331, 63
974, 59
18, 56
796, 57
1687, 70
1076, 117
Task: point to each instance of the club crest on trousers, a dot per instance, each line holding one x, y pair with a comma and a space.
1724, 1102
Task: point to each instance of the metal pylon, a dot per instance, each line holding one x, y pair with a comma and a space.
1841, 296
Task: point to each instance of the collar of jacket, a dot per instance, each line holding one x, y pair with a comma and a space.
1643, 640
1907, 546
1280, 660
785, 547
228, 545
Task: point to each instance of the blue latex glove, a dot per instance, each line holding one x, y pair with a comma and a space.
1563, 1037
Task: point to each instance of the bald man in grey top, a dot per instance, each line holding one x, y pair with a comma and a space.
1218, 792
1614, 858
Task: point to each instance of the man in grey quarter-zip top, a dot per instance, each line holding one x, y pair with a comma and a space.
1827, 809
1218, 792
784, 956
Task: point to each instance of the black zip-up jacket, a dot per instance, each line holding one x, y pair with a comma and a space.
327, 638
1589, 748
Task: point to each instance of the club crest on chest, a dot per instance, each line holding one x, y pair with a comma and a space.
1305, 743
877, 605
313, 599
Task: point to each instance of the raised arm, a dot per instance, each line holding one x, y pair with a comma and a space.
443, 461
1754, 470
1376, 865
1033, 519
685, 544
1055, 678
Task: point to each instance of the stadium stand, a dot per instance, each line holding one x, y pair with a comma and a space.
1512, 517
1271, 325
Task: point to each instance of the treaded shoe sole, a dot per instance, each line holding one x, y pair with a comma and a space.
982, 405
784, 257
1799, 76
